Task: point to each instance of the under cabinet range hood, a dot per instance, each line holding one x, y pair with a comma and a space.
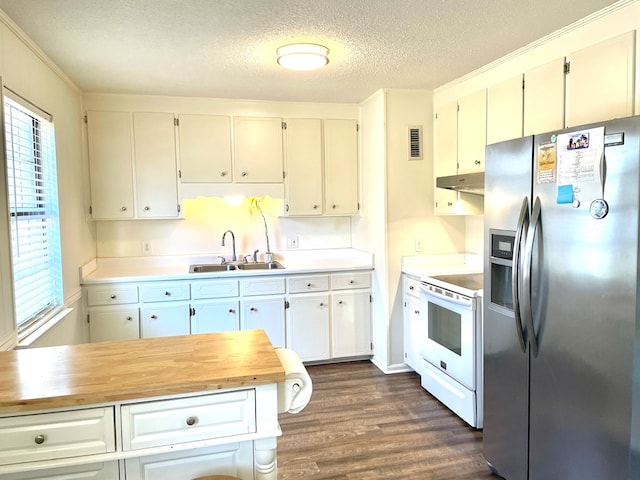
467, 183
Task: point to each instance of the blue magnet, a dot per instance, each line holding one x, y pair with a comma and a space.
565, 194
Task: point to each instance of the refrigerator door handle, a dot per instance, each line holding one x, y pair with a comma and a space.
526, 276
516, 277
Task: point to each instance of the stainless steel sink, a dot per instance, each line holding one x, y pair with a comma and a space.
228, 267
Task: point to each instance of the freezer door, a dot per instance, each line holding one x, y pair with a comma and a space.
583, 293
505, 437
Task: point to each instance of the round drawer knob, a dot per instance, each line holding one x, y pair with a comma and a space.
113, 296
124, 209
223, 174
244, 174
315, 207
146, 209
352, 282
340, 302
411, 287
154, 317
477, 162
231, 310
417, 312
168, 294
308, 285
334, 206
129, 318
322, 304
253, 309
39, 439
192, 421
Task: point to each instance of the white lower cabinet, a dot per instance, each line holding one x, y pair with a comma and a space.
414, 323
266, 313
318, 315
92, 471
164, 320
234, 459
308, 332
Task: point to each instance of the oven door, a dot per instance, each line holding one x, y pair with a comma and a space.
450, 339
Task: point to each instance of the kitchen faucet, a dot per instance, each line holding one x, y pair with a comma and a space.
233, 241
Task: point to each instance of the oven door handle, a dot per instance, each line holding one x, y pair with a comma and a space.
523, 225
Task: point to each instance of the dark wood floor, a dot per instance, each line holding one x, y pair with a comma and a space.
362, 424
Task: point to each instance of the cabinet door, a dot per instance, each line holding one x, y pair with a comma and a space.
341, 167
215, 316
351, 323
414, 332
234, 459
600, 83
303, 166
544, 98
205, 148
266, 313
504, 110
156, 167
472, 132
258, 150
113, 323
308, 326
164, 320
446, 151
110, 165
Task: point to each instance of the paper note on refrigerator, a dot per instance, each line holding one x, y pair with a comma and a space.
579, 155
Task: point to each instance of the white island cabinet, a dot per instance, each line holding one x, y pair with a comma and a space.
175, 407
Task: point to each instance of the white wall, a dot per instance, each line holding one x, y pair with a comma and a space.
206, 215
28, 72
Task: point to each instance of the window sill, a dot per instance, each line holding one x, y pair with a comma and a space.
26, 339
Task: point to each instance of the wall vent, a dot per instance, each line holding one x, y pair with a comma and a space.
415, 142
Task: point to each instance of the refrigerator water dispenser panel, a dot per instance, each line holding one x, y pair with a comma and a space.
501, 261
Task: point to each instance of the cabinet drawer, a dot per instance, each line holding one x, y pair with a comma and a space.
344, 281
164, 292
112, 294
92, 471
411, 286
308, 283
214, 289
262, 286
167, 422
47, 436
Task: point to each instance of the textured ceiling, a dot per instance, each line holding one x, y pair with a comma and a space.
226, 48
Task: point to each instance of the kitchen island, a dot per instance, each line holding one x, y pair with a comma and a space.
172, 407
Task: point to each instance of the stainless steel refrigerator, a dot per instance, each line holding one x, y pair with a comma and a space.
561, 316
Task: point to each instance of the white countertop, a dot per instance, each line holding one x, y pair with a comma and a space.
135, 269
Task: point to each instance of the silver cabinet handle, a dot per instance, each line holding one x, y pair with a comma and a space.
123, 209
352, 282
322, 304
231, 310
334, 206
449, 204
477, 162
308, 285
113, 296
340, 302
154, 317
224, 174
167, 293
39, 439
410, 287
315, 207
417, 312
129, 318
253, 309
192, 421
244, 174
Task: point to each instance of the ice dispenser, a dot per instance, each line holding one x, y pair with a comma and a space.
501, 262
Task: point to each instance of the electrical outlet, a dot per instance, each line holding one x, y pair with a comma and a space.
146, 247
292, 242
418, 245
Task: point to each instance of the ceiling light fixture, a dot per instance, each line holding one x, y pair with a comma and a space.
303, 56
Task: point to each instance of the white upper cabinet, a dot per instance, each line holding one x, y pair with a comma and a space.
156, 167
205, 148
303, 166
133, 168
341, 167
446, 149
258, 150
544, 98
504, 110
110, 165
600, 81
472, 131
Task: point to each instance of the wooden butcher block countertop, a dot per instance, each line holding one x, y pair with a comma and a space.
94, 373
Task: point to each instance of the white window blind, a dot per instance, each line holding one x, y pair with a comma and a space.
33, 212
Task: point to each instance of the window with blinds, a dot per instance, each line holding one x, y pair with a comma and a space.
33, 213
